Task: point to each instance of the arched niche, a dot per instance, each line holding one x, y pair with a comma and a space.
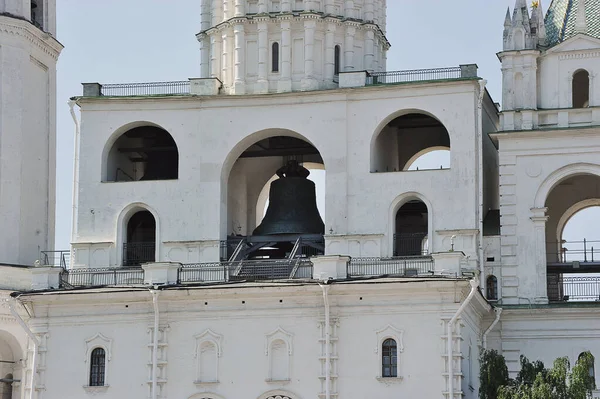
404, 137
411, 214
581, 89
138, 235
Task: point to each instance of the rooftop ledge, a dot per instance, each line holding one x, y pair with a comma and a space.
213, 86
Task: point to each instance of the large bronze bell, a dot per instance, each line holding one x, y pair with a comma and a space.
292, 204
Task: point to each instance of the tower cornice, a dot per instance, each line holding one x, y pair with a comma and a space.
19, 27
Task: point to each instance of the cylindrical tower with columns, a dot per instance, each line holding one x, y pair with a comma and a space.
265, 46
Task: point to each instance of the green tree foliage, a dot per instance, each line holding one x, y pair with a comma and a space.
534, 381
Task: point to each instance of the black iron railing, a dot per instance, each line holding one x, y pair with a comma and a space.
397, 266
138, 253
410, 244
56, 258
146, 89
414, 75
248, 270
571, 288
102, 277
573, 251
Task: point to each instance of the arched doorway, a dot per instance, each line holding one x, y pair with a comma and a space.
294, 226
142, 153
572, 240
140, 239
412, 229
581, 89
402, 142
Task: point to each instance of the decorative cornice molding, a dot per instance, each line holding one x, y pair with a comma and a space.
579, 55
44, 41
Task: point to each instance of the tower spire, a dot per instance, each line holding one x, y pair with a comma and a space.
581, 21
507, 20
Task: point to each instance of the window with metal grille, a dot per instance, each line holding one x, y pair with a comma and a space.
389, 359
275, 57
492, 288
97, 367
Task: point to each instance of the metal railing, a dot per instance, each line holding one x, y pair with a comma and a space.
146, 89
401, 266
410, 244
563, 288
573, 251
137, 253
56, 258
415, 75
248, 270
102, 277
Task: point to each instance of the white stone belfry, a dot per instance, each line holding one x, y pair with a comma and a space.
262, 46
29, 53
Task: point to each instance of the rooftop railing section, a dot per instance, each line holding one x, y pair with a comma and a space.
417, 266
56, 258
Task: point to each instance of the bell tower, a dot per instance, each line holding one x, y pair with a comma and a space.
262, 46
28, 56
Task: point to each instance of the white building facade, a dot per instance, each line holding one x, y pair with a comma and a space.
172, 292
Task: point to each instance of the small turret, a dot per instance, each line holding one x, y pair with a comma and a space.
581, 20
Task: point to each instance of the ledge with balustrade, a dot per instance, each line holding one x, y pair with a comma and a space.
539, 119
212, 86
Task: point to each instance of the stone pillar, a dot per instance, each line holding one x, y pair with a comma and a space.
226, 13
204, 55
349, 9
205, 16
309, 82
349, 49
215, 56
226, 44
239, 83
239, 8
262, 85
369, 51
285, 52
369, 14
329, 7
217, 12
330, 52
286, 5
262, 6
539, 220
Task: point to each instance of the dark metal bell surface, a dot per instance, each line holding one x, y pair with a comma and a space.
292, 204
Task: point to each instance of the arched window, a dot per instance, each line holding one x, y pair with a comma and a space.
336, 60
412, 226
389, 359
97, 367
275, 57
581, 89
140, 246
591, 370
492, 288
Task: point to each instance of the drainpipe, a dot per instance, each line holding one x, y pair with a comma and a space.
480, 209
449, 339
72, 104
31, 335
325, 289
496, 320
154, 293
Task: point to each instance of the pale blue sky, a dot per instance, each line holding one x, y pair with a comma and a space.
121, 41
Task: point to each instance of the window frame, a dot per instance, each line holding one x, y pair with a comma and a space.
491, 281
389, 333
100, 373
275, 57
389, 350
337, 59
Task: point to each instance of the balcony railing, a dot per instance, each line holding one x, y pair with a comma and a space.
573, 251
410, 244
146, 89
138, 253
398, 266
416, 75
253, 270
102, 277
56, 258
566, 288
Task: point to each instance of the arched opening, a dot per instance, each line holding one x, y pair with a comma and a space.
142, 153
589, 359
412, 229
275, 57
337, 56
292, 225
9, 369
572, 240
140, 241
410, 138
491, 287
581, 89
389, 359
37, 13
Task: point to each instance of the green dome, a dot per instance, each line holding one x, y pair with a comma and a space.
561, 19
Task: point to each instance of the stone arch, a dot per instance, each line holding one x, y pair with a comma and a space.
108, 152
207, 395
10, 351
425, 151
235, 153
385, 138
575, 208
395, 206
122, 222
558, 176
278, 394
